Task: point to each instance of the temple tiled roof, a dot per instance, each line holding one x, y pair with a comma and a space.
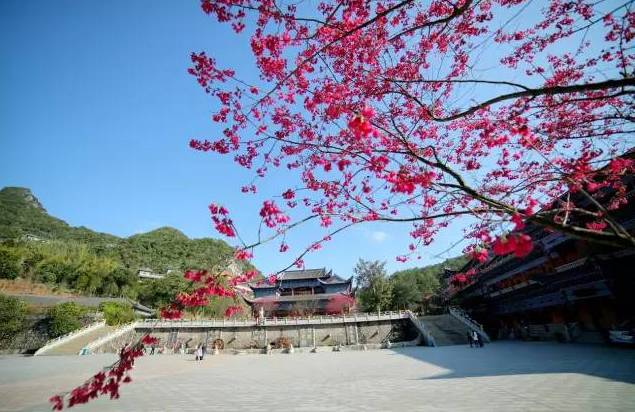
303, 274
262, 285
321, 275
334, 280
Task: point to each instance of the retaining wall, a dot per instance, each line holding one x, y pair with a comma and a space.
258, 336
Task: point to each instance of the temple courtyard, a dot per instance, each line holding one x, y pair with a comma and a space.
504, 376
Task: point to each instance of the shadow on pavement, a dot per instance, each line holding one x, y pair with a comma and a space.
517, 358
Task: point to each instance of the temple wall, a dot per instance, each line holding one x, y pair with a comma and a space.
250, 337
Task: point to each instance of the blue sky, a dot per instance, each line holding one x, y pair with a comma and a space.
96, 111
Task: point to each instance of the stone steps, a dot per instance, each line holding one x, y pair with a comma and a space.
73, 346
445, 330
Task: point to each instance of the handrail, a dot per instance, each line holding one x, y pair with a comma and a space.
156, 323
112, 335
427, 337
71, 335
462, 316
273, 321
571, 265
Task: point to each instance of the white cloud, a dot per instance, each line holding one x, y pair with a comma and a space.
378, 236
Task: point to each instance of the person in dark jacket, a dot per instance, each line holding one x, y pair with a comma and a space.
469, 339
476, 339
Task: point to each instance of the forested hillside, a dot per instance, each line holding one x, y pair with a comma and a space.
40, 247
405, 289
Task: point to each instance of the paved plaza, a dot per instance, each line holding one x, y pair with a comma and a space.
512, 376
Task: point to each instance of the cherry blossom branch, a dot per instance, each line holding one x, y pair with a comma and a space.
331, 43
458, 11
109, 380
533, 93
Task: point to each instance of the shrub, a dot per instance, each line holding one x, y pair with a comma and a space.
117, 313
282, 342
10, 263
55, 269
12, 316
65, 318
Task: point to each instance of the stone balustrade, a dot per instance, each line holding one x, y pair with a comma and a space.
237, 334
68, 337
462, 316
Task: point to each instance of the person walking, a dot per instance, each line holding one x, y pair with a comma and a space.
203, 350
475, 338
199, 352
469, 339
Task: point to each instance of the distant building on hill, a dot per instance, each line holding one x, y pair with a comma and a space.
147, 273
32, 238
301, 293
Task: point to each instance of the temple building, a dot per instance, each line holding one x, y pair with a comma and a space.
565, 289
302, 293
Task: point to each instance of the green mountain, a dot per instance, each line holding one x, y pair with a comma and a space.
43, 248
22, 216
454, 263
411, 287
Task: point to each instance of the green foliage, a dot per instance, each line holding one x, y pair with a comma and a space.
73, 265
218, 305
54, 269
48, 250
65, 318
375, 289
117, 313
168, 249
405, 289
12, 316
411, 286
160, 292
22, 215
451, 263
10, 263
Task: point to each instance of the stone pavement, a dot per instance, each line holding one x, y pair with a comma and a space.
504, 376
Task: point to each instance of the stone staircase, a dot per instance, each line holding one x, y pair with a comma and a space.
75, 344
445, 329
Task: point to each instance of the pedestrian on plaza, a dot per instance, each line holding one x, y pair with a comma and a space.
475, 339
469, 339
152, 349
199, 352
203, 350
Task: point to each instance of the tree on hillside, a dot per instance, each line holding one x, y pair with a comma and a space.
65, 318
10, 263
117, 313
42, 248
12, 316
161, 292
411, 287
373, 287
422, 112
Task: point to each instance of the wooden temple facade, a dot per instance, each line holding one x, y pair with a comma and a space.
566, 288
302, 293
